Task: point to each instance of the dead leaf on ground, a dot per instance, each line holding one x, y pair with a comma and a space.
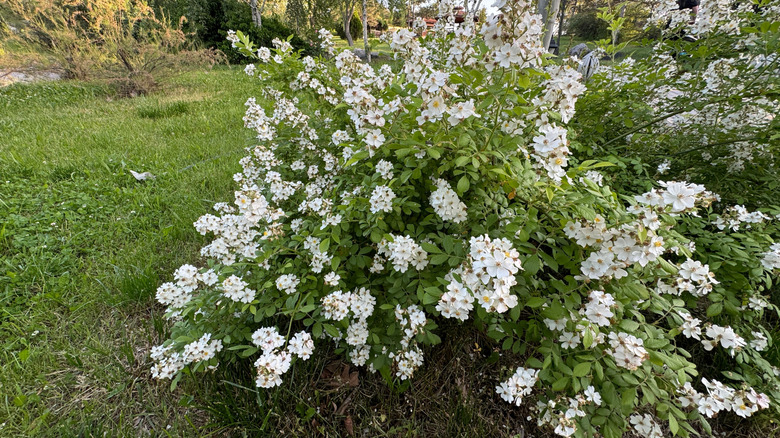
348, 424
337, 374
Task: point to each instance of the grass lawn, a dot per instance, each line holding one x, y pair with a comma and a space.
376, 46
83, 245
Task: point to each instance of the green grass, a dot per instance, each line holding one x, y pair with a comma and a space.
83, 245
380, 48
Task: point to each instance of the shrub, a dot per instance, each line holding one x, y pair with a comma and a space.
272, 29
117, 41
706, 116
588, 26
212, 20
375, 204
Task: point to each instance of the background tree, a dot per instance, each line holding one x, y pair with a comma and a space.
257, 14
549, 12
349, 10
398, 10
365, 32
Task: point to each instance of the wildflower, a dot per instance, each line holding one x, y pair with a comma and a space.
382, 199
518, 386
446, 204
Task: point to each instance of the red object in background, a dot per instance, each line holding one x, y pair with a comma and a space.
460, 17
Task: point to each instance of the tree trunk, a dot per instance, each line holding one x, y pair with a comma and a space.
549, 21
348, 10
257, 18
312, 16
541, 9
560, 22
365, 32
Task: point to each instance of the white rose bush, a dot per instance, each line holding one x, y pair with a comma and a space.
374, 204
696, 110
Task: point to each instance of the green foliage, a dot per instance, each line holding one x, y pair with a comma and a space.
381, 25
706, 111
587, 25
4, 29
702, 115
173, 10
213, 19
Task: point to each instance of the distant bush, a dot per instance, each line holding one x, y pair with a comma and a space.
120, 42
381, 25
588, 26
212, 20
650, 33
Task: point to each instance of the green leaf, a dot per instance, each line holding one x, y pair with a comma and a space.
587, 338
429, 247
599, 371
715, 309
463, 184
461, 161
532, 265
535, 302
175, 381
628, 399
673, 426
20, 400
560, 384
332, 330
438, 259
582, 369
430, 298
555, 311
